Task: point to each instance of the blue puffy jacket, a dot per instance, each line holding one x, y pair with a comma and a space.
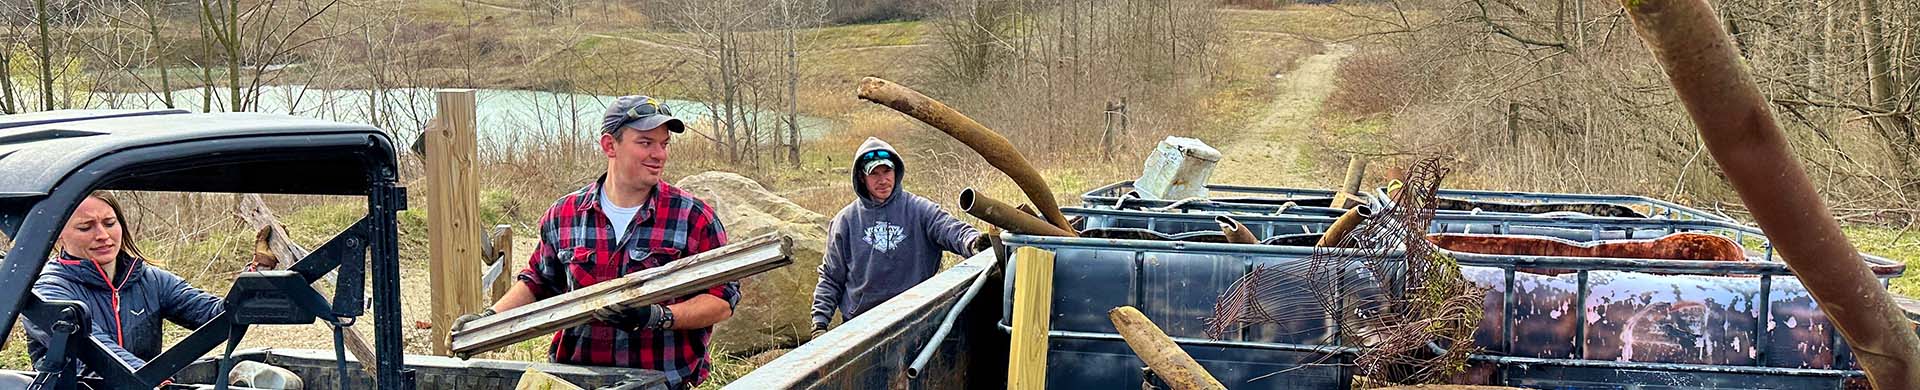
125, 312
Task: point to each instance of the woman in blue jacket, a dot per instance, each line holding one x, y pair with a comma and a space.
126, 298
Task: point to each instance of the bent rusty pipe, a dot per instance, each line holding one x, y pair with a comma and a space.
1739, 129
1236, 232
996, 149
1342, 226
1006, 217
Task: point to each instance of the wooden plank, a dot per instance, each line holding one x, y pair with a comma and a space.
650, 286
1160, 352
1032, 313
453, 213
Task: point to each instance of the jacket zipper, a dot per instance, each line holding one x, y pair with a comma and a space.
119, 331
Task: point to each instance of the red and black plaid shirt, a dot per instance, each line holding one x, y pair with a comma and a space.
577, 249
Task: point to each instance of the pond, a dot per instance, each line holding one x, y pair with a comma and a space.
505, 117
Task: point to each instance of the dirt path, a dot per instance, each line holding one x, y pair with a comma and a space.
1267, 152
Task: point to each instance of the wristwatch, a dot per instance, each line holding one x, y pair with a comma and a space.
666, 318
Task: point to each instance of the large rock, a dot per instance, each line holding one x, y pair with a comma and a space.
774, 309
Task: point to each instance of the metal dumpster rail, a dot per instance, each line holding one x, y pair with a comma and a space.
1111, 195
1566, 227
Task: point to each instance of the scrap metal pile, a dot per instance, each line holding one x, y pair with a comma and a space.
1401, 285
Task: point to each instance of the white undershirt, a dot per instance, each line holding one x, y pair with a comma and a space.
620, 216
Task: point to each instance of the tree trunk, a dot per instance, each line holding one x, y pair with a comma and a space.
1830, 35
46, 56
793, 88
730, 88
160, 60
7, 98
232, 42
207, 36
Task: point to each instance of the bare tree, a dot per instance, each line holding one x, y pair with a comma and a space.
1882, 80
1044, 71
748, 54
1545, 93
12, 14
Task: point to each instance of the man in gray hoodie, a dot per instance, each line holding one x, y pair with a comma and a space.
884, 242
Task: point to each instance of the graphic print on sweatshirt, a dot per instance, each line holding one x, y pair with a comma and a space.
885, 236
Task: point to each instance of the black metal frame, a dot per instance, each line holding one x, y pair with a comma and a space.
149, 168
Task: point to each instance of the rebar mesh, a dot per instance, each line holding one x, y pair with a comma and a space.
1384, 290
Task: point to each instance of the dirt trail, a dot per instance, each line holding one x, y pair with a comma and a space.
1266, 153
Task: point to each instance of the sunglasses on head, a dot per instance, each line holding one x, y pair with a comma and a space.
647, 108
877, 154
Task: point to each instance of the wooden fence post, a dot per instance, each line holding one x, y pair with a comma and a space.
501, 251
453, 213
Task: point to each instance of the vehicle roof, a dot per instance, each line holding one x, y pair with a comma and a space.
37, 150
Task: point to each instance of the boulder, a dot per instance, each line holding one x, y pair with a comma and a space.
774, 309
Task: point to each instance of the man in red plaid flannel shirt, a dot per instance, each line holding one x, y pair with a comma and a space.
628, 220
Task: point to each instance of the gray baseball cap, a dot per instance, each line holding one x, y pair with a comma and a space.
639, 112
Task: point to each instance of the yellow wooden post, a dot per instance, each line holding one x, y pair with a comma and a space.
453, 213
1032, 314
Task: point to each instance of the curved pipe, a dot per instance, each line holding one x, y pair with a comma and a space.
1006, 217
990, 145
1739, 130
1236, 232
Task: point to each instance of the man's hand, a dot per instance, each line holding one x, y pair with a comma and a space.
461, 324
634, 319
818, 329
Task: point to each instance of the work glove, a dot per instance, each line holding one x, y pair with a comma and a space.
981, 243
818, 329
635, 319
461, 322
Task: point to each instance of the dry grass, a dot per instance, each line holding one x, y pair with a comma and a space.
1898, 243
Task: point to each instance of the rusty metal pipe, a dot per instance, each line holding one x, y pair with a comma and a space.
1733, 117
1236, 232
1342, 226
1006, 217
1160, 352
996, 149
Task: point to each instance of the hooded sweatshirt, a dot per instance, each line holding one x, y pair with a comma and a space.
877, 249
125, 309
